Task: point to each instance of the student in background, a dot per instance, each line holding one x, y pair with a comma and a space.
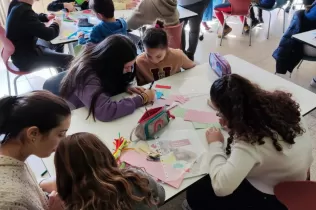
158, 60
268, 143
32, 124
102, 71
104, 10
267, 4
69, 5
31, 37
99, 183
150, 10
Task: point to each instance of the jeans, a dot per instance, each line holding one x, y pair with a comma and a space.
194, 24
53, 84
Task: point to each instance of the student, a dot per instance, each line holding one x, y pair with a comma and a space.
104, 10
158, 60
101, 72
32, 124
98, 182
267, 4
31, 37
69, 5
150, 10
268, 143
226, 7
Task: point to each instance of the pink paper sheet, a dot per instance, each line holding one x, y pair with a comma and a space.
200, 116
155, 169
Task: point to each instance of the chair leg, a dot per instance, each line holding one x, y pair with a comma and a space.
283, 20
8, 79
223, 27
250, 32
269, 25
15, 86
242, 28
299, 65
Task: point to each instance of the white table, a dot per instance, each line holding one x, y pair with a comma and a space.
204, 77
70, 27
308, 37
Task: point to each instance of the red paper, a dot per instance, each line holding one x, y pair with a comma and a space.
163, 86
87, 11
200, 116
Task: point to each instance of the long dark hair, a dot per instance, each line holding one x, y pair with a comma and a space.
88, 177
253, 113
106, 61
38, 108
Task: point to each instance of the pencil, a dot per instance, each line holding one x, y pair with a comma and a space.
151, 85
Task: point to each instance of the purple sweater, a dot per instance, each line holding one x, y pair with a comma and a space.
105, 109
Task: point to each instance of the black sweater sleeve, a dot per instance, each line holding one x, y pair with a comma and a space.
43, 17
38, 29
58, 5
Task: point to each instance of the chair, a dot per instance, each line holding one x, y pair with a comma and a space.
53, 84
239, 8
174, 35
297, 195
278, 5
306, 58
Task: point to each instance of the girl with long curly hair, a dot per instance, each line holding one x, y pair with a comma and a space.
88, 177
267, 144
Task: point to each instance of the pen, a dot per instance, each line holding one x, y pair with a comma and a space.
151, 85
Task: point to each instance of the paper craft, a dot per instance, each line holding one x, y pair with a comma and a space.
159, 94
200, 116
178, 98
165, 92
197, 125
178, 112
163, 86
87, 11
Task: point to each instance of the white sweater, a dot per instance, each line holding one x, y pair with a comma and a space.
262, 165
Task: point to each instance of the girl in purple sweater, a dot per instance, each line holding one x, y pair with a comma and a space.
102, 71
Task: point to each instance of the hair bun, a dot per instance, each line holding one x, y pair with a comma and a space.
159, 24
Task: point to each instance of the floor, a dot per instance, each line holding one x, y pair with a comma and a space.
259, 54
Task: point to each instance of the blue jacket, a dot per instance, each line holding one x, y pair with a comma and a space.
290, 51
104, 29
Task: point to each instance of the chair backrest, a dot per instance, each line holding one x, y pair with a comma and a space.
174, 35
297, 195
8, 47
280, 3
240, 7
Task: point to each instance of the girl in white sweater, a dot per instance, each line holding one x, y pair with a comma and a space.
268, 143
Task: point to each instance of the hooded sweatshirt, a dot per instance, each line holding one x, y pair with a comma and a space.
19, 189
105, 29
150, 10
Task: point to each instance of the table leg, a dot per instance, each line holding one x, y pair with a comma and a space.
71, 49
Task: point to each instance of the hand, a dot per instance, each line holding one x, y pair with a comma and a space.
214, 134
57, 20
80, 34
54, 202
151, 95
131, 5
137, 90
69, 6
50, 17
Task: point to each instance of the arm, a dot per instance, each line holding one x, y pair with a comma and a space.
38, 29
138, 17
139, 77
227, 173
48, 185
57, 5
186, 62
105, 109
43, 18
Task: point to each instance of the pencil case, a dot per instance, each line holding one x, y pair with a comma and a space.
151, 122
219, 64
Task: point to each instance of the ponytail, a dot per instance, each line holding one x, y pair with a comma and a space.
156, 37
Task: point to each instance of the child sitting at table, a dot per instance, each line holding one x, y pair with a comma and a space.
158, 60
88, 177
104, 10
102, 71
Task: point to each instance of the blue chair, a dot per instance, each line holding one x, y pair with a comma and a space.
278, 5
53, 83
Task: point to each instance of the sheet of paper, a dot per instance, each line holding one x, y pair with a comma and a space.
179, 98
163, 86
159, 94
200, 116
197, 125
178, 112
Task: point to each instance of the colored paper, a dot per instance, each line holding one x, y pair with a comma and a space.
165, 92
178, 112
163, 86
178, 98
197, 125
87, 11
159, 94
200, 116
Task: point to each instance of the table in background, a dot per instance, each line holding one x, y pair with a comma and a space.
71, 27
204, 77
308, 37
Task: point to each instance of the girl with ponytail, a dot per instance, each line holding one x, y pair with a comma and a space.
267, 144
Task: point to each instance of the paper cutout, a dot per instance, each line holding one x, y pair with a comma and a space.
197, 125
200, 116
178, 112
159, 94
166, 92
87, 11
178, 98
163, 86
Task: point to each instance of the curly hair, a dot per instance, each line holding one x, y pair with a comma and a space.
253, 113
88, 177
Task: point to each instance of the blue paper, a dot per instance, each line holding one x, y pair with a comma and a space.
159, 94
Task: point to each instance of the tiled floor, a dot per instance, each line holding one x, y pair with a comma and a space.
259, 54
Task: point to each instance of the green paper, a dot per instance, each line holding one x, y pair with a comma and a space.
178, 112
165, 92
79, 2
197, 125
